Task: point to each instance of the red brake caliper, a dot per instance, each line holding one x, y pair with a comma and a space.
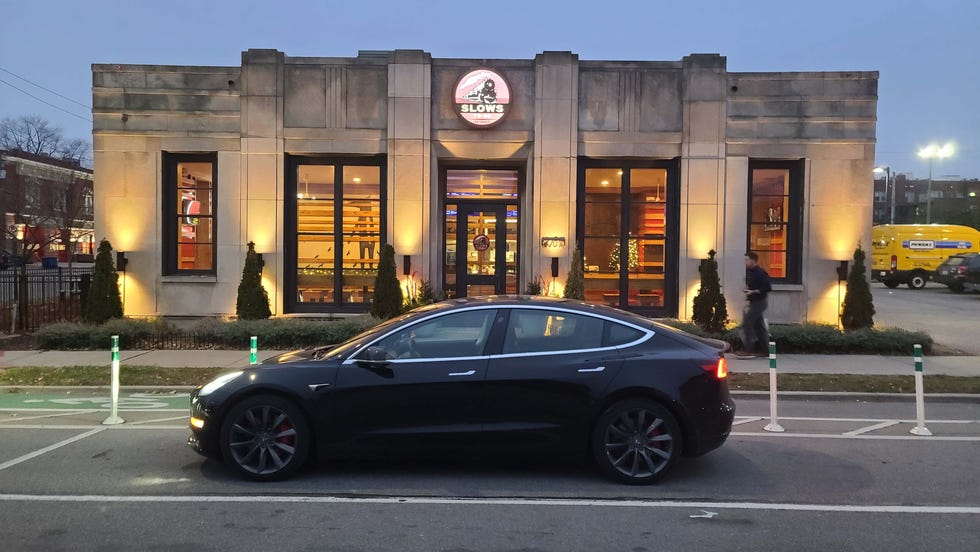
288, 439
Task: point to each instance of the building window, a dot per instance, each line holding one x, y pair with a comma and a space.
627, 230
775, 216
335, 227
189, 222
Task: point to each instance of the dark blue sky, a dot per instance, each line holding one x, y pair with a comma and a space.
928, 52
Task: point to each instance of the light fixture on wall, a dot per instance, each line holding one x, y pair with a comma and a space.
121, 261
553, 245
406, 265
261, 261
842, 271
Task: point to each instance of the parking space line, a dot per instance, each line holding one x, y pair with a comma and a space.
474, 501
49, 448
73, 412
90, 426
170, 419
746, 420
873, 420
870, 428
862, 436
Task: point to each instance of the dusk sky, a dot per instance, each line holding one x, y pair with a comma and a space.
927, 53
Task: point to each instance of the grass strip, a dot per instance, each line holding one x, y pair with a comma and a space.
163, 376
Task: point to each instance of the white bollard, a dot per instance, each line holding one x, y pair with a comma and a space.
773, 425
920, 402
114, 418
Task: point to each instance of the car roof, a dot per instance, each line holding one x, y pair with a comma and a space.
542, 301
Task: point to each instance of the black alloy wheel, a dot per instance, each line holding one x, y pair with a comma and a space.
636, 442
265, 437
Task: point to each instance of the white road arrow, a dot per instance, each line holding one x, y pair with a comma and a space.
706, 515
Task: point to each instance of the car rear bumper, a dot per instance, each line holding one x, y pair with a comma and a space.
889, 275
713, 428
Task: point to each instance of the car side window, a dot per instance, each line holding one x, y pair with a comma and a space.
462, 334
531, 331
618, 334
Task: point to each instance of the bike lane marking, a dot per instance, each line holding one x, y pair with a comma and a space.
62, 401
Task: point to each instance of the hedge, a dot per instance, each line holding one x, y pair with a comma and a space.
277, 333
810, 338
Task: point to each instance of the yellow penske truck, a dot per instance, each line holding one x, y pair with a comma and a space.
909, 253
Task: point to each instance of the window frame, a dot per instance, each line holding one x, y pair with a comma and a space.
170, 227
793, 219
671, 229
293, 162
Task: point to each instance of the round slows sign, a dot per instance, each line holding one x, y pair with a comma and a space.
482, 97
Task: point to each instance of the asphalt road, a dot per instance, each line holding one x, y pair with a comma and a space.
950, 318
846, 475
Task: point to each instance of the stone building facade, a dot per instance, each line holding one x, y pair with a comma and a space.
480, 188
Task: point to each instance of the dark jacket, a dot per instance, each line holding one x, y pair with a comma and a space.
757, 278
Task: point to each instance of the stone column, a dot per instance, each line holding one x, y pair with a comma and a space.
409, 163
702, 172
554, 171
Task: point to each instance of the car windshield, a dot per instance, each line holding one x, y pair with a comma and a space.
355, 343
954, 261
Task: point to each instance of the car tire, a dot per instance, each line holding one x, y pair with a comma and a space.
891, 284
636, 442
265, 438
917, 280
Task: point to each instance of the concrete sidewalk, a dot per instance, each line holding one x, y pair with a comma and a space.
790, 364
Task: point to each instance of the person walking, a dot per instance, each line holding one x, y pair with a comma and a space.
754, 331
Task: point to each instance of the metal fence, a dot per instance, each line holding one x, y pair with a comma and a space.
41, 296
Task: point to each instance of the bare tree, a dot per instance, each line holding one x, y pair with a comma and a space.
34, 134
67, 200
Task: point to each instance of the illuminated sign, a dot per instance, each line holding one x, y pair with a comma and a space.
482, 97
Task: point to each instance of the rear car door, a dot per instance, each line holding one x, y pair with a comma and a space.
429, 383
551, 369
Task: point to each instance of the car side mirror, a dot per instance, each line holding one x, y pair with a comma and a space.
375, 354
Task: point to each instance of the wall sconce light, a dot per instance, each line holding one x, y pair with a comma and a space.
554, 245
842, 271
406, 265
261, 262
121, 261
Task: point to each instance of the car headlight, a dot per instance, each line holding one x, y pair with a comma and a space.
217, 382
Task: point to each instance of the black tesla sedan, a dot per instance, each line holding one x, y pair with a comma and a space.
479, 372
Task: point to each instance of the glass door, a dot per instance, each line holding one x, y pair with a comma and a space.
485, 249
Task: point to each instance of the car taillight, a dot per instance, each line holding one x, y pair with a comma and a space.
961, 269
719, 369
894, 262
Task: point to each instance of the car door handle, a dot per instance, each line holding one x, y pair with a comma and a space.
470, 373
596, 369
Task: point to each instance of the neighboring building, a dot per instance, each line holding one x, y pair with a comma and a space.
479, 173
44, 201
953, 201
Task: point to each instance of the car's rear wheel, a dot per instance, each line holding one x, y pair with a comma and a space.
265, 437
636, 441
917, 280
890, 283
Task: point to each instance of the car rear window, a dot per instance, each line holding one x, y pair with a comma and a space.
618, 334
954, 261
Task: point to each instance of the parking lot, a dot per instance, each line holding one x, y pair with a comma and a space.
951, 318
844, 469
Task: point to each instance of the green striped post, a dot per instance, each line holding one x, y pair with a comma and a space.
253, 356
917, 357
920, 407
114, 418
773, 424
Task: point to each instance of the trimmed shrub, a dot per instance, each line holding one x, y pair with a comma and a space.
103, 301
859, 309
387, 292
575, 283
253, 299
533, 287
710, 311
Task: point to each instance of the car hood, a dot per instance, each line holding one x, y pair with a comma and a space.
298, 355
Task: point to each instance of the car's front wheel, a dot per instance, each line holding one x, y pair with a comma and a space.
265, 437
636, 441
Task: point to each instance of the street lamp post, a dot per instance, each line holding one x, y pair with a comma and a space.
888, 174
930, 152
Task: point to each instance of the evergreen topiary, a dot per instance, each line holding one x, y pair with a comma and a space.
387, 292
575, 282
533, 287
103, 301
859, 309
253, 299
710, 311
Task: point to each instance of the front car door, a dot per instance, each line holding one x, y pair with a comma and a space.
421, 380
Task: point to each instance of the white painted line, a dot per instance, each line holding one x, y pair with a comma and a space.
870, 428
746, 420
170, 419
87, 426
466, 501
870, 437
74, 412
49, 448
872, 420
91, 410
